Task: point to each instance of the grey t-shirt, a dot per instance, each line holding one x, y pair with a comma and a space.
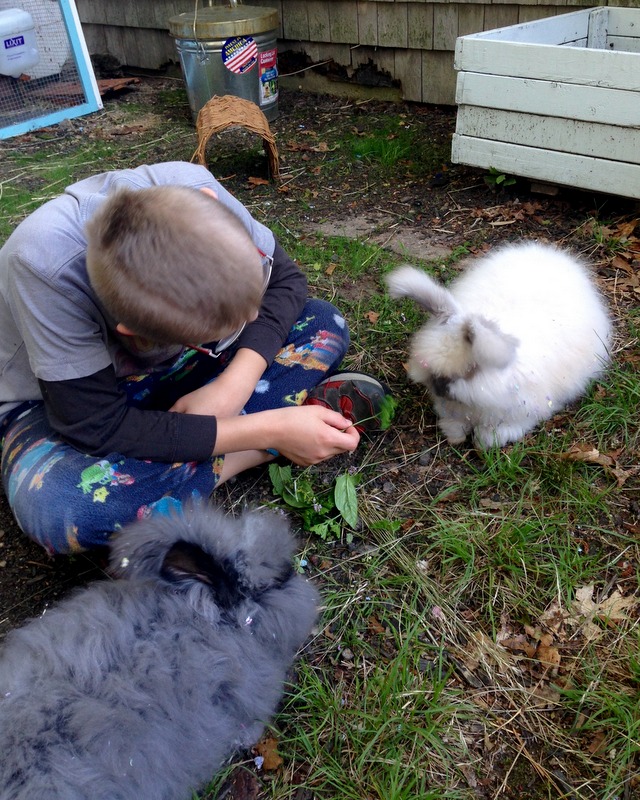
52, 326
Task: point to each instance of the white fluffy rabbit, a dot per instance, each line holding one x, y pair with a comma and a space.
514, 338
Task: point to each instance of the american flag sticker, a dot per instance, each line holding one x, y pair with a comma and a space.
239, 54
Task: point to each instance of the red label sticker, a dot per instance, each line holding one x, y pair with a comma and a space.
268, 68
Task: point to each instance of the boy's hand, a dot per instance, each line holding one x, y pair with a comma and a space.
314, 434
304, 434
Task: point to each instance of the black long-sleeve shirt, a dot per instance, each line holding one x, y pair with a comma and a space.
92, 413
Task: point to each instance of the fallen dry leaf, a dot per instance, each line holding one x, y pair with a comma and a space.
617, 262
625, 229
257, 181
589, 454
597, 744
268, 749
372, 316
549, 656
611, 610
520, 643
375, 626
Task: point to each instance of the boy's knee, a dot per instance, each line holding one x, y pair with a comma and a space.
327, 317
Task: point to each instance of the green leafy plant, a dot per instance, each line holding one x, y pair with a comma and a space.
324, 512
497, 179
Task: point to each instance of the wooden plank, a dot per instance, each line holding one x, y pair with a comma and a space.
343, 17
94, 37
115, 46
550, 133
382, 57
438, 77
529, 14
147, 48
368, 24
577, 65
559, 29
566, 169
91, 12
553, 98
420, 21
319, 24
470, 19
624, 21
323, 51
598, 23
295, 22
498, 16
130, 15
624, 44
445, 27
408, 70
393, 25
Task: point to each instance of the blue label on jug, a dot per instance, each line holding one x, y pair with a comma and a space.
14, 41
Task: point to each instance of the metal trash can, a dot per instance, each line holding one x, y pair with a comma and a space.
229, 50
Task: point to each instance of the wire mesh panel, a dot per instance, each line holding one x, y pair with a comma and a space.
45, 70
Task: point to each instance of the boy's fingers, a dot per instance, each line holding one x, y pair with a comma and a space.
335, 418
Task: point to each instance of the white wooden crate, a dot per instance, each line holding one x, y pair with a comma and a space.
556, 100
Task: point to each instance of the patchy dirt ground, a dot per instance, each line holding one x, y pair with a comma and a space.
422, 211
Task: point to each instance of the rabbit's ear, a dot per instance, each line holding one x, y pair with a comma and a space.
407, 281
186, 563
490, 346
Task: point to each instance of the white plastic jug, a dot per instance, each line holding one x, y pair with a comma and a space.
18, 47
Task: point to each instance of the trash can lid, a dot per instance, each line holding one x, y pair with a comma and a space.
215, 22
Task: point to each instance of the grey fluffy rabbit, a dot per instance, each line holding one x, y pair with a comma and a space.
513, 339
140, 688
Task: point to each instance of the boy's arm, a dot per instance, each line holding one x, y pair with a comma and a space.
92, 415
228, 394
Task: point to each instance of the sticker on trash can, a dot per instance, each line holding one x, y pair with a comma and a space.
268, 69
239, 54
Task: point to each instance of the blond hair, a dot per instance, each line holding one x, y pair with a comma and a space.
173, 264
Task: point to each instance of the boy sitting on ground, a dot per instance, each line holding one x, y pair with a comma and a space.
156, 340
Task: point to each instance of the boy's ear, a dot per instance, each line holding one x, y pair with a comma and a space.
210, 192
121, 328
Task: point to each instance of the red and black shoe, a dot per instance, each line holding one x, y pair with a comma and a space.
358, 397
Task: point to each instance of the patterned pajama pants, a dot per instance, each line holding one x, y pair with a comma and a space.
69, 501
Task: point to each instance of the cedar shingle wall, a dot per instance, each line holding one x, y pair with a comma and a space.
411, 41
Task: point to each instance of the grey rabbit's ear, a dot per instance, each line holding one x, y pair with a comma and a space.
407, 281
186, 564
490, 346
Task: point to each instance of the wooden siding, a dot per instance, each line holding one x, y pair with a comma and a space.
412, 41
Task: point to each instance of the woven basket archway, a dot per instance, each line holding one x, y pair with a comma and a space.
223, 112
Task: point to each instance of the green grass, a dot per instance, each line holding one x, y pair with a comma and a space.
610, 411
375, 731
394, 143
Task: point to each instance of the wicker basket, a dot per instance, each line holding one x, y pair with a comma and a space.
223, 112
